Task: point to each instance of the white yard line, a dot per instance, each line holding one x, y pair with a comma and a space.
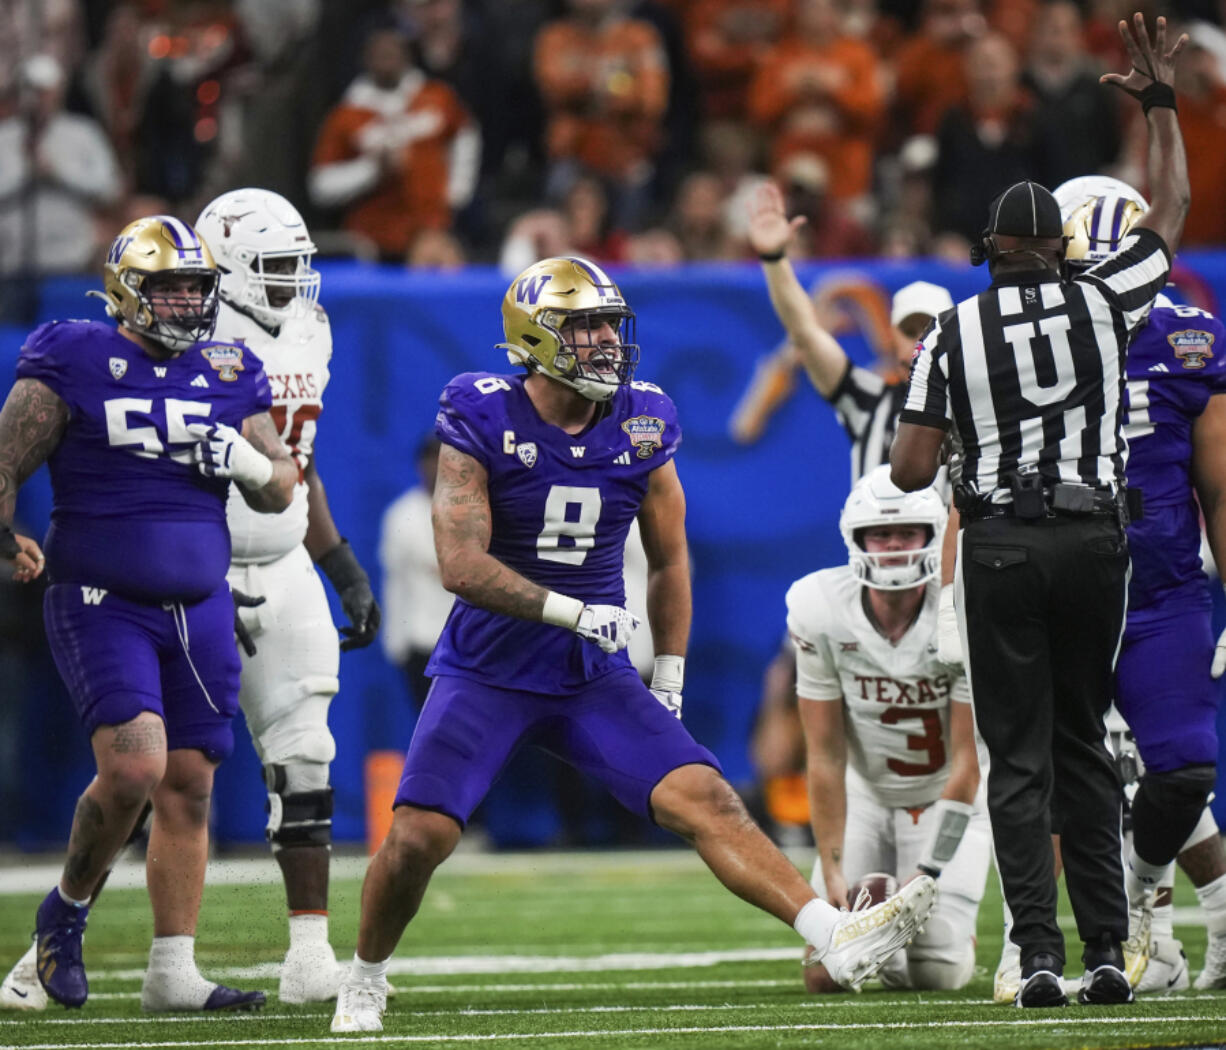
1046, 1022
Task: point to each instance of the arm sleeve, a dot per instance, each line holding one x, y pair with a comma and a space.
927, 401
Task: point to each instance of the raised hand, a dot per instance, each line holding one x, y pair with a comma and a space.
1151, 62
769, 227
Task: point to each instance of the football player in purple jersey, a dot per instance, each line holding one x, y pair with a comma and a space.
540, 476
1166, 677
143, 427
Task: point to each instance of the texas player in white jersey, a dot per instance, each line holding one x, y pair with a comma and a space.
289, 676
890, 740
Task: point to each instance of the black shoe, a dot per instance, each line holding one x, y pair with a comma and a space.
1105, 985
1041, 985
223, 998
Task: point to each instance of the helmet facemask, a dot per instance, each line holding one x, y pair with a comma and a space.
174, 316
896, 570
594, 373
277, 285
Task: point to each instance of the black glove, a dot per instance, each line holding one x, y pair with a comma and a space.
9, 547
352, 586
244, 601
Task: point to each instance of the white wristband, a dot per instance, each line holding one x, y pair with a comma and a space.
949, 821
561, 610
669, 674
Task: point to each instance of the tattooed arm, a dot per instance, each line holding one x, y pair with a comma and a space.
275, 495
32, 424
462, 526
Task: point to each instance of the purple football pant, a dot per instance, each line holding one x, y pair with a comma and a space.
614, 730
1164, 691
119, 658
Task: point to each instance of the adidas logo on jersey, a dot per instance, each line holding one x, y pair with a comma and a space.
200, 381
623, 459
1159, 367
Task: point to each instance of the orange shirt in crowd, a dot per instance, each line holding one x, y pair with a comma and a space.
1203, 123
605, 92
417, 124
726, 41
929, 80
838, 121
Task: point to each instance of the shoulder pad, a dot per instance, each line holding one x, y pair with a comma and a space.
810, 604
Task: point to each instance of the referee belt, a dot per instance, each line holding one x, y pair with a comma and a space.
1061, 501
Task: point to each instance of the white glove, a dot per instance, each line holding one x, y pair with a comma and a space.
1219, 657
667, 680
949, 642
609, 626
222, 452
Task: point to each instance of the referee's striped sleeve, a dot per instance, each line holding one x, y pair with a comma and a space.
927, 400
1131, 278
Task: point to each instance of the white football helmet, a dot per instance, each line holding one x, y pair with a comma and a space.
263, 251
1072, 194
876, 500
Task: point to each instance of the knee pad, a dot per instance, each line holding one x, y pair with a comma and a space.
942, 957
299, 806
1166, 808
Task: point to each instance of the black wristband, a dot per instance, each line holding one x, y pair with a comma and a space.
930, 871
772, 256
9, 547
1157, 95
342, 567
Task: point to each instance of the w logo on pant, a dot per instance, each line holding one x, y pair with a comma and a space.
92, 595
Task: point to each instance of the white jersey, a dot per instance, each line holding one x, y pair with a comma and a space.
896, 696
296, 363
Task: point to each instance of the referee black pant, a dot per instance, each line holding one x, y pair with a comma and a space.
1042, 605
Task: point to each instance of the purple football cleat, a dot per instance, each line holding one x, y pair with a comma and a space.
59, 930
223, 998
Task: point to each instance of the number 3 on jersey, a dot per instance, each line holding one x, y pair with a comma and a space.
571, 513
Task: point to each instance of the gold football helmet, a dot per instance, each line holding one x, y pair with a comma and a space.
1096, 228
145, 287
577, 295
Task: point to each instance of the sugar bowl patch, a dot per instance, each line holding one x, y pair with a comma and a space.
1191, 346
227, 361
646, 434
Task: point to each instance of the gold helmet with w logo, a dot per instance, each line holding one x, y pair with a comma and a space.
160, 281
554, 316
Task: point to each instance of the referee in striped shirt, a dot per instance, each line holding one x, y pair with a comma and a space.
1028, 376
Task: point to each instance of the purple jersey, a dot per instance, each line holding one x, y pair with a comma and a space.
1176, 362
131, 512
561, 507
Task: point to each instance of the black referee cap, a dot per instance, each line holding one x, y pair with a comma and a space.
1025, 209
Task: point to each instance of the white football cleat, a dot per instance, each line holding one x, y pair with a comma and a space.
21, 989
1167, 970
360, 1005
864, 940
310, 974
1008, 974
1214, 973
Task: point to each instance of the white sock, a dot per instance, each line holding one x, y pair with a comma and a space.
308, 928
1163, 925
1141, 877
369, 971
68, 900
1212, 897
172, 968
816, 922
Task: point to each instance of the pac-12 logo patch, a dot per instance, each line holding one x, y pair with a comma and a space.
646, 434
119, 367
526, 451
1191, 346
226, 360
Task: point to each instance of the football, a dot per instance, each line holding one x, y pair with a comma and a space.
877, 884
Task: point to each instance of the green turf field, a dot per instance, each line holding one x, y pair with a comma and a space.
599, 951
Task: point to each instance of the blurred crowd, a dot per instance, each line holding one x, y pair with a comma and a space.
439, 132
